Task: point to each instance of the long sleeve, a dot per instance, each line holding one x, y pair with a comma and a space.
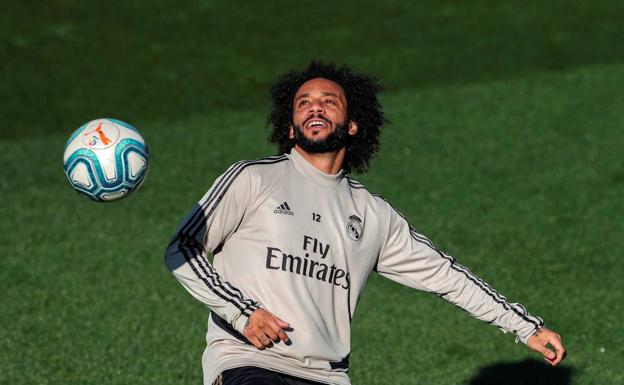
411, 259
213, 220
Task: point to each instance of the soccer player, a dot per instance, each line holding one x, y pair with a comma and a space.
295, 238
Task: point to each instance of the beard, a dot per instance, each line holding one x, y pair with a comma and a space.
334, 141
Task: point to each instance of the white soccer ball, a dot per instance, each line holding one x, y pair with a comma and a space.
106, 159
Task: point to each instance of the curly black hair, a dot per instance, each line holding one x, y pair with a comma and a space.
362, 107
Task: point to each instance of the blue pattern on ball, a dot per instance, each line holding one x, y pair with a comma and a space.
100, 185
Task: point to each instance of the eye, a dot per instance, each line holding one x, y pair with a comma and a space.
331, 101
302, 103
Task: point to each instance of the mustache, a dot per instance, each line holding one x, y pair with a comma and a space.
321, 117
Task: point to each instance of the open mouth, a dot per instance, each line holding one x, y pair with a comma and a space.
317, 123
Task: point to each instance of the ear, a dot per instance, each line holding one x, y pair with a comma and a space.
353, 128
291, 132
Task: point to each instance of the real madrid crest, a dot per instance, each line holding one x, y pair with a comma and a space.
354, 228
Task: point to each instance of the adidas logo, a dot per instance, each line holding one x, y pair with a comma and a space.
283, 209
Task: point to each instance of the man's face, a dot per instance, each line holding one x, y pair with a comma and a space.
319, 116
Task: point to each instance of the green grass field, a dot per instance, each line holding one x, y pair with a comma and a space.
505, 128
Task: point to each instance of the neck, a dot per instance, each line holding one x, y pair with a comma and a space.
327, 162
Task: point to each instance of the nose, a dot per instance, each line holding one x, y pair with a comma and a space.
316, 107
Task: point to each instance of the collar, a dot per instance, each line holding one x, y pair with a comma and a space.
308, 170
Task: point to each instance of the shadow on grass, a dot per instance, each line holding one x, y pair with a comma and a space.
527, 372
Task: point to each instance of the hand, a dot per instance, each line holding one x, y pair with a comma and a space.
263, 329
543, 337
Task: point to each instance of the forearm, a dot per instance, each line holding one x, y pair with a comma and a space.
191, 267
431, 270
461, 287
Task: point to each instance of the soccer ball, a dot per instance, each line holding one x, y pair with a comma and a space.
106, 159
